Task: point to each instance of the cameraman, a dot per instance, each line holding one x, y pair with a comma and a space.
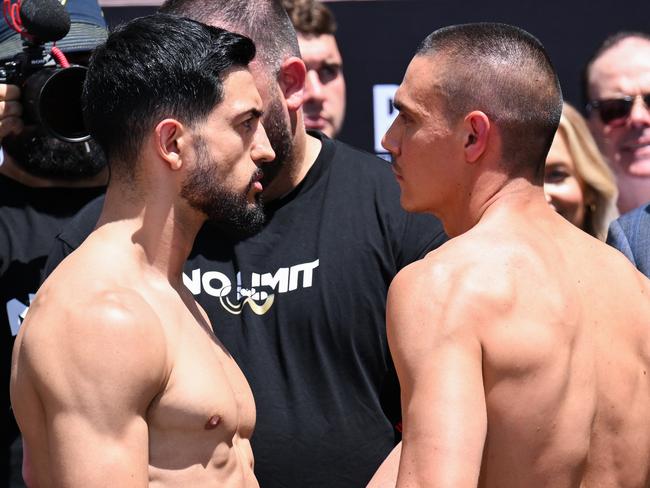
43, 182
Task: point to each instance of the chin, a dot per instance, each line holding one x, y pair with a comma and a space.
408, 205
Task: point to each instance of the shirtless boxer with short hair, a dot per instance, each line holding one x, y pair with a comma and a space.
117, 378
529, 363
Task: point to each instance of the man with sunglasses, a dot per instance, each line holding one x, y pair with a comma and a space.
617, 90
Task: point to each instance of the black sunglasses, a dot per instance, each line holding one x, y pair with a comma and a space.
615, 108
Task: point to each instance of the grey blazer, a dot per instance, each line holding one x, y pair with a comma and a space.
630, 234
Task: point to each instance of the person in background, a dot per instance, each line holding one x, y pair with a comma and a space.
616, 87
630, 234
44, 181
324, 103
577, 182
301, 304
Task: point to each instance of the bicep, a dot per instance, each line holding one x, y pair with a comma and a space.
443, 401
93, 380
83, 451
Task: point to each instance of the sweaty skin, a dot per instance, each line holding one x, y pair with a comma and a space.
117, 378
178, 402
522, 336
521, 344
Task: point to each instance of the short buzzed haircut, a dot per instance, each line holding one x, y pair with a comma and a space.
609, 42
152, 68
264, 21
310, 17
504, 72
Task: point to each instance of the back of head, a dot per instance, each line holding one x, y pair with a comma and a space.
609, 42
153, 68
310, 17
504, 72
264, 21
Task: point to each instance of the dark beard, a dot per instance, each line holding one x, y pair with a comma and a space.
45, 156
281, 141
230, 210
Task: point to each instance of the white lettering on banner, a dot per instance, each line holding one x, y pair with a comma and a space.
383, 111
284, 280
16, 312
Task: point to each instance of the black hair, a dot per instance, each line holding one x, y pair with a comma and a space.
505, 72
151, 68
264, 21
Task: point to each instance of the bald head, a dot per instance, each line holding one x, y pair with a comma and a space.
264, 21
504, 72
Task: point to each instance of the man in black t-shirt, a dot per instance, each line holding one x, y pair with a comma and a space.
301, 304
43, 183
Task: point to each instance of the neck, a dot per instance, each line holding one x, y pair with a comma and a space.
305, 151
484, 198
13, 170
161, 230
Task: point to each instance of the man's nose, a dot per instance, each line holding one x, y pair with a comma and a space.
262, 152
389, 141
640, 113
314, 89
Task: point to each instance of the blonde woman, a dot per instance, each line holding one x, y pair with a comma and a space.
577, 182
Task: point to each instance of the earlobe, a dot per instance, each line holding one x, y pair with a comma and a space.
292, 81
477, 126
170, 137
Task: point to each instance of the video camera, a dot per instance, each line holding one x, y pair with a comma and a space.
51, 87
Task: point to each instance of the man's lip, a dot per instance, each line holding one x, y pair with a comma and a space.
315, 122
633, 146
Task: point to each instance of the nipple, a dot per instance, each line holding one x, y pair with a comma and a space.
212, 422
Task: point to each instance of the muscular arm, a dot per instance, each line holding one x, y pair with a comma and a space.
439, 364
81, 385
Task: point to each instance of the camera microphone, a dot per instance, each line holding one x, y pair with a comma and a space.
44, 20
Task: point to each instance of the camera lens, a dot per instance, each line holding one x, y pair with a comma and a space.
52, 97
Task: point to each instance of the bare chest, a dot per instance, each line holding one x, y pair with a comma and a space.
206, 398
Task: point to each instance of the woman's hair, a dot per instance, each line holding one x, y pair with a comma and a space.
600, 185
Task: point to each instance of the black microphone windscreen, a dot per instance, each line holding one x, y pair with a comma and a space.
46, 20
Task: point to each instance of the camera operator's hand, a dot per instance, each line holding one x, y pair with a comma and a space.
10, 110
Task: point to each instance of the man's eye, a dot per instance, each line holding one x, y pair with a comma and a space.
405, 118
249, 123
328, 72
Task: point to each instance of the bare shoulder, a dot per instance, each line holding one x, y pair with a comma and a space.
72, 335
460, 277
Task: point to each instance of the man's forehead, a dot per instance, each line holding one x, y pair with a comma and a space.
627, 60
319, 47
421, 83
240, 92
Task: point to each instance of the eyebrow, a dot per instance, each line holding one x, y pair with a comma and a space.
250, 112
402, 108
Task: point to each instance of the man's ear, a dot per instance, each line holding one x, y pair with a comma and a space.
170, 140
292, 81
477, 134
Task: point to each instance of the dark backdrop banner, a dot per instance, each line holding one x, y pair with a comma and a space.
378, 39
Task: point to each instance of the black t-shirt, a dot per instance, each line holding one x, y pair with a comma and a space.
301, 307
30, 218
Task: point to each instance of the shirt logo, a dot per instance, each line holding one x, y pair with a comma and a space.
260, 291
